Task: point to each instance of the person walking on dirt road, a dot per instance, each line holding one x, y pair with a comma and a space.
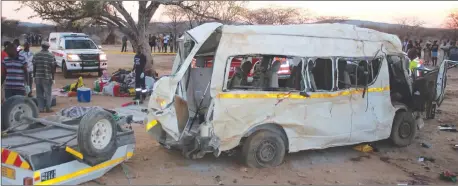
14, 73
43, 71
28, 56
139, 68
124, 44
434, 52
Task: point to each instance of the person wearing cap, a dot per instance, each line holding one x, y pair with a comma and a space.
43, 72
28, 55
14, 73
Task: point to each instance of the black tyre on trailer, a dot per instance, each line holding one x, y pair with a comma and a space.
14, 108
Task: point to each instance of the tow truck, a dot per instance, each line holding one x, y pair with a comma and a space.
57, 150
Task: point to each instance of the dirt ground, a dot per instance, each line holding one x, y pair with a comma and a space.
152, 164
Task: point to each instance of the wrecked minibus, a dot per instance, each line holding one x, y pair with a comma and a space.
348, 85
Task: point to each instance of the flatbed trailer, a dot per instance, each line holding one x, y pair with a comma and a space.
56, 151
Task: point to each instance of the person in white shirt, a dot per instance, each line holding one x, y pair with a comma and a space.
166, 42
28, 56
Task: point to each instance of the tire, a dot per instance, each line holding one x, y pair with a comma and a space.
65, 71
97, 135
13, 108
403, 130
264, 140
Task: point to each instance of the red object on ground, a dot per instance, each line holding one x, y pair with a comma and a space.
71, 94
117, 90
127, 104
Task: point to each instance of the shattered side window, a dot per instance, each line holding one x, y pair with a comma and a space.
358, 72
375, 66
320, 73
184, 52
346, 73
265, 73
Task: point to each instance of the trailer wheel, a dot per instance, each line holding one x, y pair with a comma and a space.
15, 107
404, 129
264, 149
97, 135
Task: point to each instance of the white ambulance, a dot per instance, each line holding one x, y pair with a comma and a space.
76, 52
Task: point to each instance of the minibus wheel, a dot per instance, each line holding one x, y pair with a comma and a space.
264, 149
404, 129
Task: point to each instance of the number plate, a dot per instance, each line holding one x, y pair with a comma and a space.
90, 63
48, 175
9, 173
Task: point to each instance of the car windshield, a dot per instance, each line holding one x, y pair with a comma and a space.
184, 51
79, 44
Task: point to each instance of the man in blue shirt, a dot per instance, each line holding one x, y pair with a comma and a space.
14, 72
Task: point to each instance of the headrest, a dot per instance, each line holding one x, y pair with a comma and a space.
276, 66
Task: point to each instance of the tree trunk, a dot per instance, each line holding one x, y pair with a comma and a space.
145, 49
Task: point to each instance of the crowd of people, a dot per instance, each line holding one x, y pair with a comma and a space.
430, 52
33, 39
161, 42
21, 68
157, 42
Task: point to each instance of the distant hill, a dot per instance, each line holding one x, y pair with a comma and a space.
370, 23
28, 24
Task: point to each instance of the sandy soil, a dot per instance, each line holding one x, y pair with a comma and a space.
151, 164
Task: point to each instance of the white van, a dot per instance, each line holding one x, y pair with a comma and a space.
349, 85
76, 52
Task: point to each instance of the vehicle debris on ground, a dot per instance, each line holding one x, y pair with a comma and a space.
120, 84
448, 128
448, 176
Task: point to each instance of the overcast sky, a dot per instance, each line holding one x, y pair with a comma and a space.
433, 13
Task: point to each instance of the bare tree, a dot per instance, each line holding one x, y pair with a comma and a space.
276, 16
176, 16
409, 26
452, 23
330, 19
199, 12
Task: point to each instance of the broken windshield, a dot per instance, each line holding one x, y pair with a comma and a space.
183, 51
